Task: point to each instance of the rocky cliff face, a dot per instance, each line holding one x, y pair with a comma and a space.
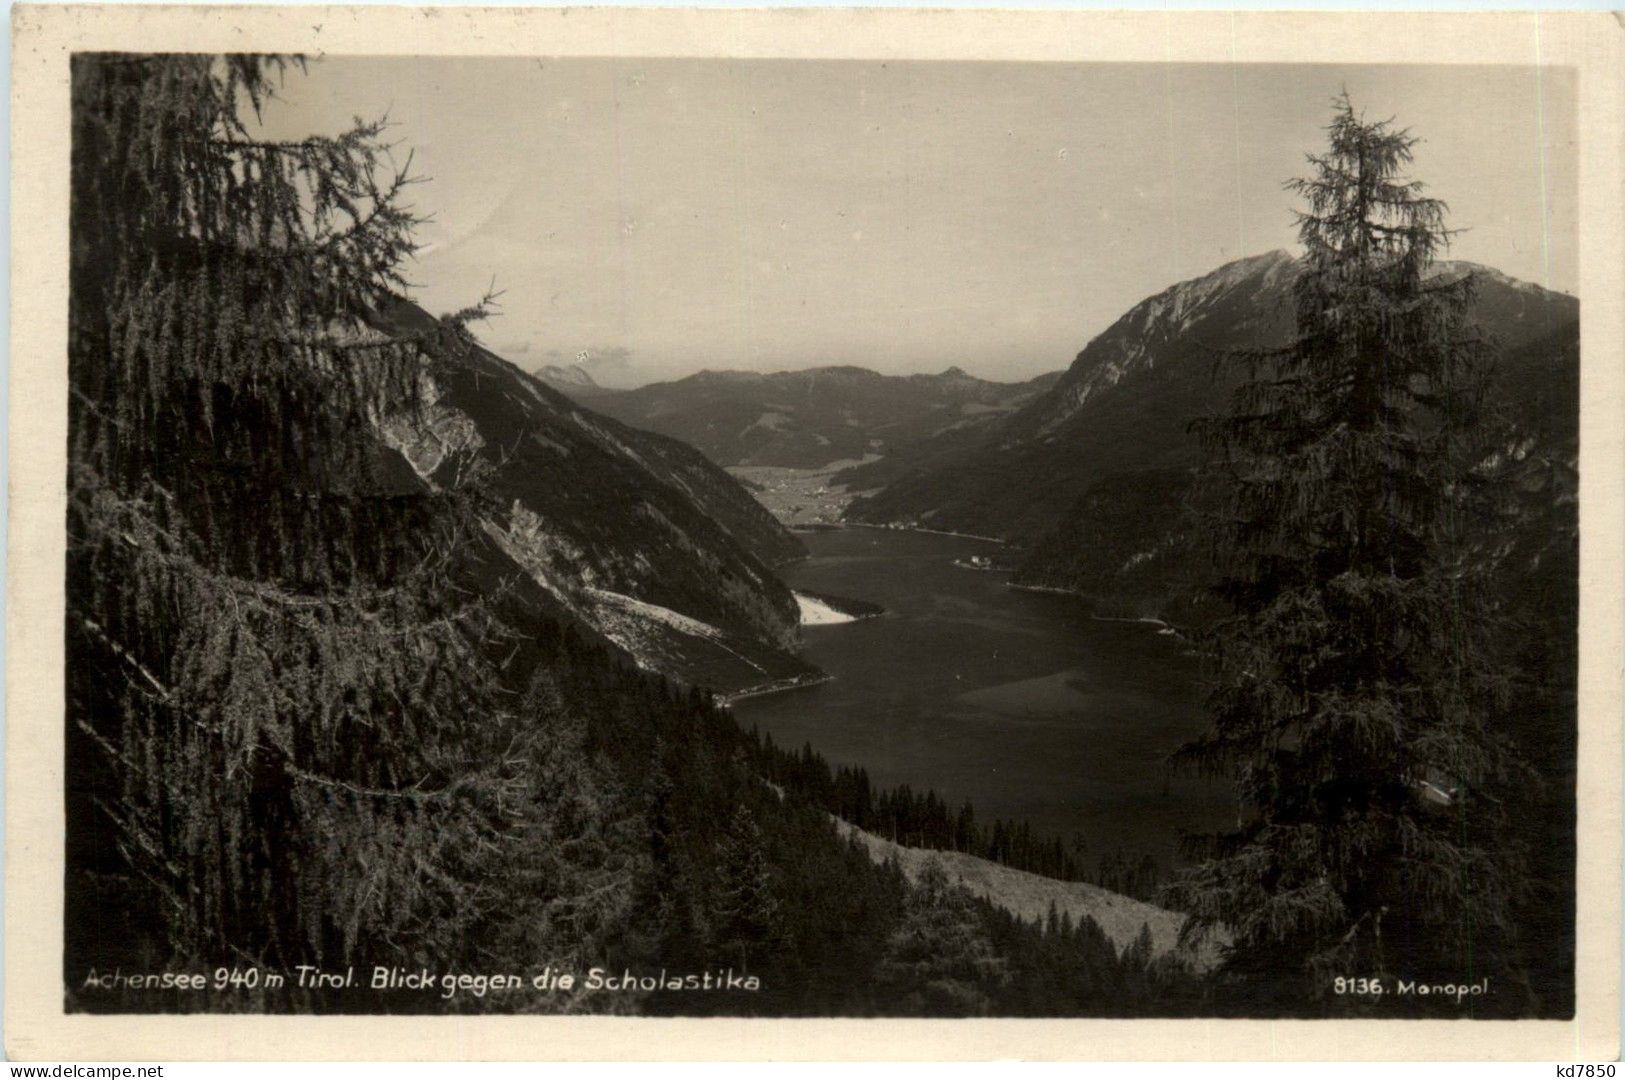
1239, 300
634, 538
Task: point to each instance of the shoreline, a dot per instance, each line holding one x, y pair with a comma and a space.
853, 609
963, 565
1149, 620
920, 529
1163, 626
1048, 589
795, 682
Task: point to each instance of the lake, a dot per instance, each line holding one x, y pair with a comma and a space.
1018, 701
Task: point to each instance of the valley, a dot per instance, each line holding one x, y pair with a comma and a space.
978, 685
801, 496
1074, 489
1020, 703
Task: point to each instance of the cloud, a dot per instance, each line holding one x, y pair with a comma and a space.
609, 366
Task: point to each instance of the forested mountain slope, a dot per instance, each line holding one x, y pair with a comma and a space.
1125, 404
1131, 540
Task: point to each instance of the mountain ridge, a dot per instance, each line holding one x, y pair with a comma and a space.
811, 417
634, 538
1123, 405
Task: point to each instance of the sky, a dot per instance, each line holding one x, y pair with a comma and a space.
663, 216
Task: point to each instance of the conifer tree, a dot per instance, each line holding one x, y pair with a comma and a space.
939, 960
1353, 700
747, 914
291, 736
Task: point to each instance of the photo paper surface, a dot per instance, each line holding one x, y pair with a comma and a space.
982, 534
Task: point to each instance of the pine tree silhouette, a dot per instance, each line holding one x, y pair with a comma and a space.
289, 730
1353, 697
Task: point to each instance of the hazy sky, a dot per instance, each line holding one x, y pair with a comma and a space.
671, 215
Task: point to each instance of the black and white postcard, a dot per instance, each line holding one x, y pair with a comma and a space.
593, 520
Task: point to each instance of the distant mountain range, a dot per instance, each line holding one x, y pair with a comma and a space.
805, 419
1090, 475
633, 538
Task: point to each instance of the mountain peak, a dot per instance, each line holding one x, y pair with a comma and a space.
1268, 258
572, 376
1238, 270
1455, 268
1212, 308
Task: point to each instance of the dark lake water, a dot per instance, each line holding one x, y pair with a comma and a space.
1018, 701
